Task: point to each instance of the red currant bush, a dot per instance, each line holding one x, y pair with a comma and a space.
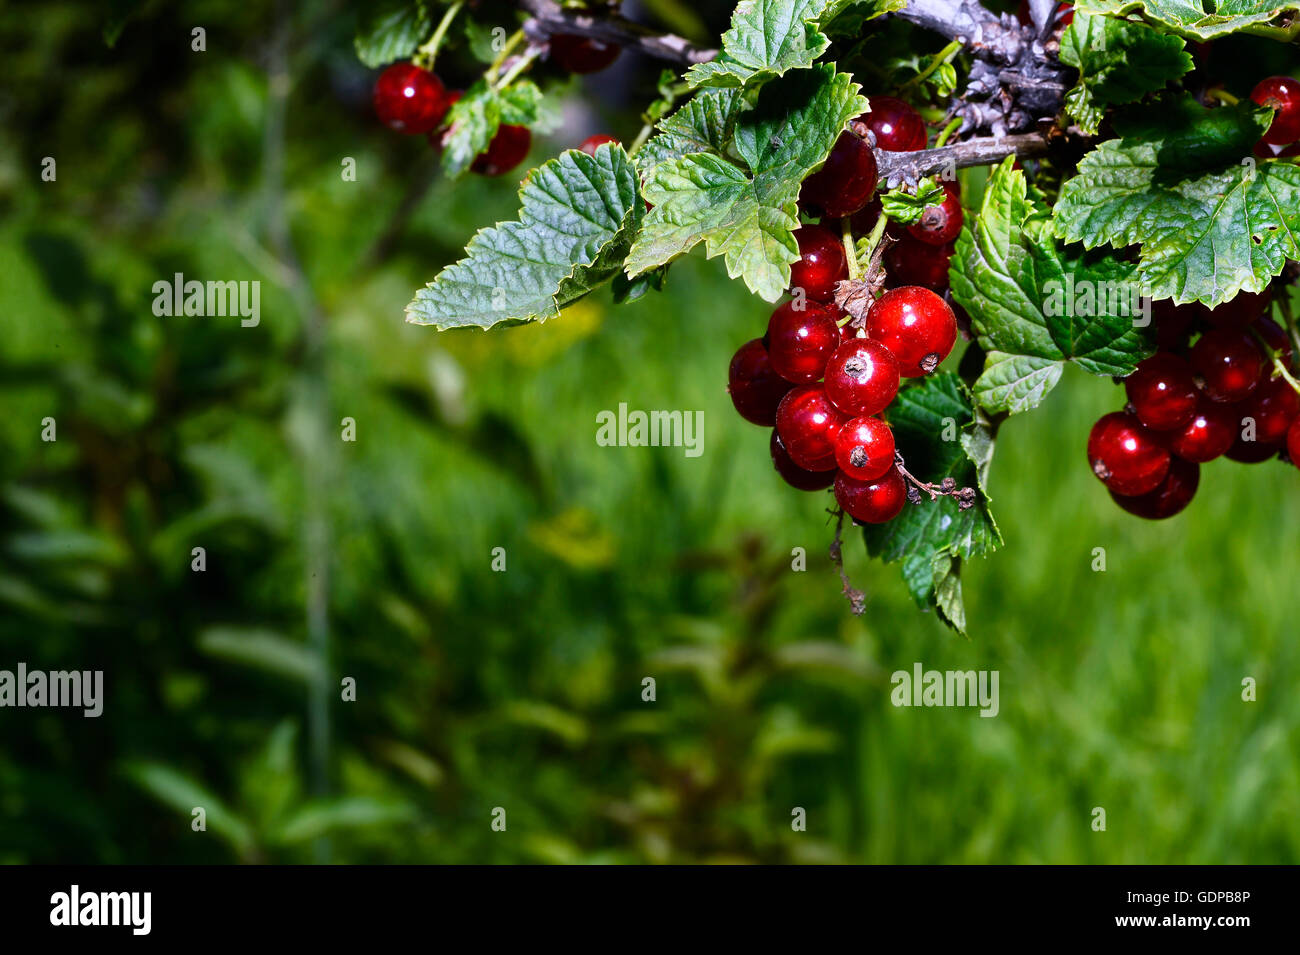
582, 54
1281, 94
1125, 455
872, 502
862, 377
801, 340
409, 99
916, 325
864, 449
755, 387
808, 424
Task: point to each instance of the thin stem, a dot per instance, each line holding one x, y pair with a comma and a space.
947, 131
936, 61
1223, 96
850, 251
873, 239
964, 496
1278, 364
1284, 303
523, 63
511, 42
426, 54
856, 598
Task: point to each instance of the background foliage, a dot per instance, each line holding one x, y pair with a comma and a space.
1118, 689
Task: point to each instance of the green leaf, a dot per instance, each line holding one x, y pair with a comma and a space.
324, 816
579, 213
392, 31
906, 208
476, 116
481, 39
931, 420
747, 213
263, 650
1211, 221
767, 38
1035, 303
1118, 62
846, 17
703, 125
1191, 19
185, 794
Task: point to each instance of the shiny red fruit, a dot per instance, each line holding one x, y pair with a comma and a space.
1272, 407
1239, 311
1173, 324
1169, 497
1293, 442
940, 224
582, 54
821, 264
1229, 363
909, 262
795, 476
755, 387
846, 182
1163, 392
864, 449
1125, 455
916, 325
1276, 338
409, 99
1250, 452
872, 502
862, 377
801, 340
808, 425
1282, 94
898, 127
592, 143
506, 151
1209, 434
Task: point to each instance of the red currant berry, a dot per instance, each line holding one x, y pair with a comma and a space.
1209, 434
1250, 452
1174, 324
1276, 338
909, 262
872, 502
898, 127
1272, 407
1293, 442
756, 389
940, 224
506, 151
1170, 496
409, 99
808, 425
1125, 455
916, 325
846, 182
1282, 94
582, 54
864, 449
821, 263
1163, 392
801, 341
592, 143
1240, 311
795, 476
1229, 362
862, 377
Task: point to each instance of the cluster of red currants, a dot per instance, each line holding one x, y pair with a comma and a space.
1282, 95
815, 378
1191, 403
414, 101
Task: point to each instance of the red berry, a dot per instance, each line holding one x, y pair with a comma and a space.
1273, 407
1207, 435
1229, 362
506, 151
582, 54
1293, 442
801, 340
864, 449
1277, 339
909, 262
409, 99
795, 476
821, 263
916, 325
1174, 323
592, 143
1280, 93
940, 224
872, 502
1239, 311
862, 377
808, 425
898, 127
1163, 392
846, 182
1169, 497
756, 389
1250, 452
1125, 455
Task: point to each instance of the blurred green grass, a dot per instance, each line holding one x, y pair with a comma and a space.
1119, 689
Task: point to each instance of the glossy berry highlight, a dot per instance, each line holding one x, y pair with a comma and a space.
793, 475
1163, 392
822, 263
755, 387
916, 325
846, 182
808, 425
1229, 363
410, 100
872, 502
864, 449
940, 223
862, 377
1125, 455
801, 340
1282, 95
898, 127
1208, 434
1169, 497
